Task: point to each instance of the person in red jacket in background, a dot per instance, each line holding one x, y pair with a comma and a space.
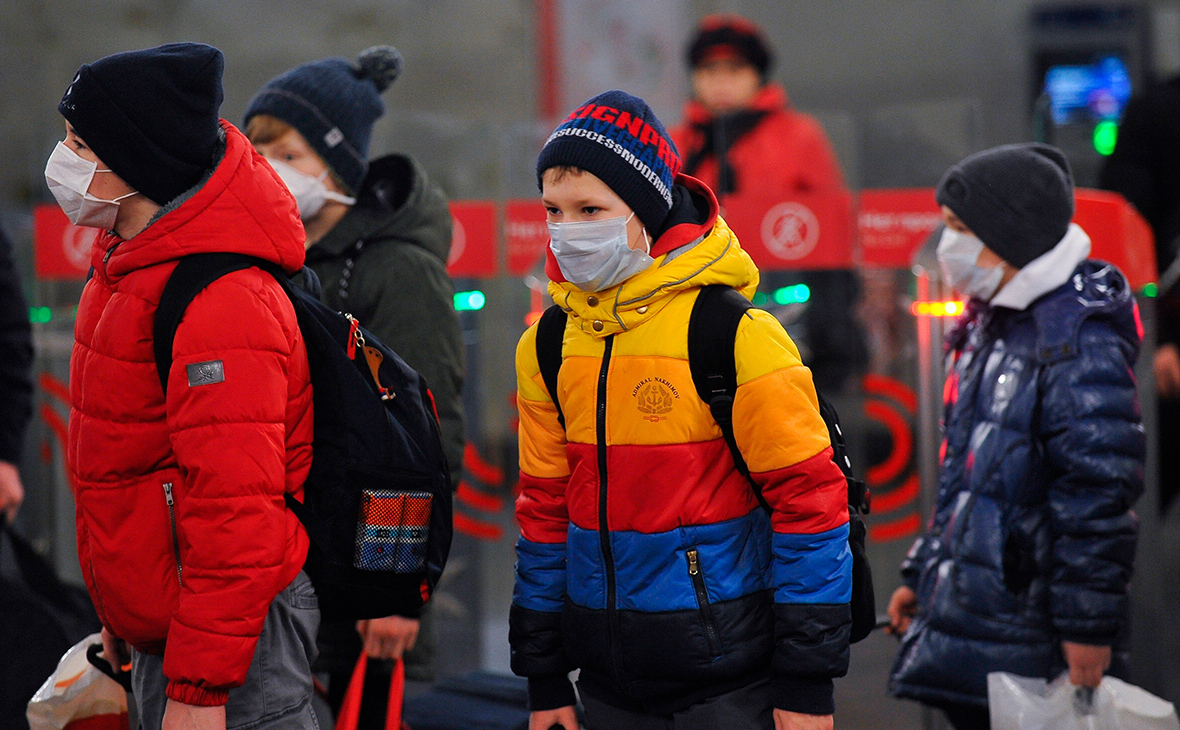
188, 549
741, 137
739, 131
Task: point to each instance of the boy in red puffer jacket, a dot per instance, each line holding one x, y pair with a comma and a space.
187, 547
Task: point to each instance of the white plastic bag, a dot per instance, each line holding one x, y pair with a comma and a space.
1026, 703
78, 694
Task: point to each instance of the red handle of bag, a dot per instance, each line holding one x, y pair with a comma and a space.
350, 708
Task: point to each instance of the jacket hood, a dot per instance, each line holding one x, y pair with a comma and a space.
770, 98
243, 207
1046, 272
699, 249
396, 201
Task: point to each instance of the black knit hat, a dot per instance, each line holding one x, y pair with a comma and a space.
150, 115
1017, 198
334, 105
731, 35
617, 138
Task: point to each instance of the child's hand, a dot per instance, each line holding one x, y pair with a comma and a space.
784, 720
902, 606
562, 717
1087, 663
389, 637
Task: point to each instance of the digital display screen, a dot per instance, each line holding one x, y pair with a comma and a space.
1088, 93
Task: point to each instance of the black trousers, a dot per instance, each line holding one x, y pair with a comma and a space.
747, 708
967, 717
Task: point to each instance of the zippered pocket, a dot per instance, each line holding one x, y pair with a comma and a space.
697, 574
172, 522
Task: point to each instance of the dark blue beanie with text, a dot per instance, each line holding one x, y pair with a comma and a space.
617, 138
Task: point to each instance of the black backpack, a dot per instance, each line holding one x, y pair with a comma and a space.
712, 328
377, 500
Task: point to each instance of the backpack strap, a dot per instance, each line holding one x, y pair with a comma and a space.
550, 339
712, 331
190, 276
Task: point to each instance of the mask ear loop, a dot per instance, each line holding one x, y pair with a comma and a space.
646, 238
116, 200
331, 195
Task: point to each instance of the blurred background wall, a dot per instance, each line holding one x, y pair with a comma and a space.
960, 68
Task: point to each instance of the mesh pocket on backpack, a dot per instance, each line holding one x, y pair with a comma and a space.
392, 530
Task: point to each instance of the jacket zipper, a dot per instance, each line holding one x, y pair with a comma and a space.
698, 583
608, 558
107, 257
175, 538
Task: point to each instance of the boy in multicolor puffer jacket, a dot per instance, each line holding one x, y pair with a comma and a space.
645, 558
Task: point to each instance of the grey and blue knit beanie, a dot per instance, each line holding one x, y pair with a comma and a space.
617, 138
1016, 198
334, 104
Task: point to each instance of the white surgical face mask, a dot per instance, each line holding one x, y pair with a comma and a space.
309, 191
594, 255
68, 176
957, 255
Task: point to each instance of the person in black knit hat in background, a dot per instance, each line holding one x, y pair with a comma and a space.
1025, 564
378, 237
188, 549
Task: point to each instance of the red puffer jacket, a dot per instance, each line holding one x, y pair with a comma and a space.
786, 153
183, 534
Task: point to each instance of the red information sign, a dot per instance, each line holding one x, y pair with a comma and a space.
805, 232
473, 241
894, 224
525, 235
61, 250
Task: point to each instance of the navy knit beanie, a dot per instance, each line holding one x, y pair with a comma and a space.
1017, 198
730, 35
334, 105
617, 138
150, 115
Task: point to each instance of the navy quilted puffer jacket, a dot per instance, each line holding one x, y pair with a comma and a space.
1032, 539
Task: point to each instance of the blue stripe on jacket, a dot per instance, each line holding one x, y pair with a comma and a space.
540, 575
814, 568
651, 569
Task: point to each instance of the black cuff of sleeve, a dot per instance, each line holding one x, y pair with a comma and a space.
807, 695
10, 448
910, 580
1088, 639
550, 693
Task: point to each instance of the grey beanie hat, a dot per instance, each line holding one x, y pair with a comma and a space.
1017, 198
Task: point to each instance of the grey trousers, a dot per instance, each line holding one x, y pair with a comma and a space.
278, 689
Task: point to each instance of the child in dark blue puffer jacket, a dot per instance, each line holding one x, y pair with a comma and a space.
1025, 564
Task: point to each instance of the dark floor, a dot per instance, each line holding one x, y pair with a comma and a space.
861, 700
